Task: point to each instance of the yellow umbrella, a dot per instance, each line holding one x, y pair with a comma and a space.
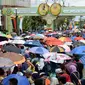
9, 36
57, 49
65, 39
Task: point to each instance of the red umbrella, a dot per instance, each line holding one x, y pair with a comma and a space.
78, 38
54, 42
51, 39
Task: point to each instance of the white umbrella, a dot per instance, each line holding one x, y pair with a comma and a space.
18, 38
6, 62
3, 42
56, 57
67, 48
17, 41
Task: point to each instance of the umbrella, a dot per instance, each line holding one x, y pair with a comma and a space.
17, 41
9, 36
2, 38
73, 37
33, 43
22, 80
18, 38
53, 41
82, 59
67, 48
68, 43
5, 62
39, 36
61, 58
57, 49
27, 36
3, 42
83, 41
65, 39
16, 58
56, 42
38, 50
78, 38
78, 43
11, 48
79, 50
56, 57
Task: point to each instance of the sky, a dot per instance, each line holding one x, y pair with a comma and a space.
67, 2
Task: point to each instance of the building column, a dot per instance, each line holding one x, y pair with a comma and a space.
9, 26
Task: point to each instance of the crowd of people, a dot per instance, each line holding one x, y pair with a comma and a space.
40, 72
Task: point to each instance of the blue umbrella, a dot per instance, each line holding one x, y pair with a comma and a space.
73, 37
82, 59
79, 50
38, 50
22, 80
83, 35
33, 43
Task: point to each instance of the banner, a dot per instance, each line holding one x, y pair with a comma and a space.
14, 24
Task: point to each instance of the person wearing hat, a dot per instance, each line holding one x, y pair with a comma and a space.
60, 73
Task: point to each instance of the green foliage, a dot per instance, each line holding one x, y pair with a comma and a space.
33, 23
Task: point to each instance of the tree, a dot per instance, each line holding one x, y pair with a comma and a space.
33, 23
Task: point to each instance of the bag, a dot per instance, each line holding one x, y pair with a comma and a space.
79, 81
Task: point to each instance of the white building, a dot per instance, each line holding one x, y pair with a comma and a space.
14, 3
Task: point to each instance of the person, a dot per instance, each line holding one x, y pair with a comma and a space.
62, 80
13, 81
80, 67
45, 77
74, 74
2, 74
39, 81
61, 73
28, 74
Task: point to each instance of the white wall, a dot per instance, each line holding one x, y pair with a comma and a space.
25, 3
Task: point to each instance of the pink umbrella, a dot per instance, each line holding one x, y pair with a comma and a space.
56, 57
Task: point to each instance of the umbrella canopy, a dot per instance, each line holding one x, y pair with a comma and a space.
16, 58
56, 57
53, 41
33, 43
78, 43
3, 42
57, 49
27, 36
2, 38
78, 38
83, 41
6, 62
67, 48
65, 39
39, 36
82, 59
79, 50
11, 48
9, 36
22, 80
17, 41
56, 42
73, 37
50, 39
18, 38
38, 50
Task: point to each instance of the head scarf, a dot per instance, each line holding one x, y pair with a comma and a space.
72, 68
